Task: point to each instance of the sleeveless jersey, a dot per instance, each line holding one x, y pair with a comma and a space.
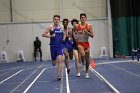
74, 38
82, 36
57, 40
67, 44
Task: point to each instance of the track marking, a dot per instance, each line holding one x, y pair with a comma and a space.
67, 81
25, 91
25, 79
18, 67
61, 87
119, 67
114, 62
126, 71
11, 76
104, 80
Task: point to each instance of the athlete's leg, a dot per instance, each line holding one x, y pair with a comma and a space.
82, 53
75, 52
53, 62
59, 68
59, 58
53, 55
66, 53
66, 58
87, 54
79, 57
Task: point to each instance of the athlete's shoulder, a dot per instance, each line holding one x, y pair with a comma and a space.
50, 27
61, 26
78, 26
88, 25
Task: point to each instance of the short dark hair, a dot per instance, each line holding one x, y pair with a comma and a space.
65, 20
36, 37
74, 20
82, 14
56, 16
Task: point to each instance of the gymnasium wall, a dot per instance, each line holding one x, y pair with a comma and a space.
43, 10
20, 36
4, 11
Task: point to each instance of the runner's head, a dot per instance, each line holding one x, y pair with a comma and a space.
74, 21
83, 17
65, 22
56, 19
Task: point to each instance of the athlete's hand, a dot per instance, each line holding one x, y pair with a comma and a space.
85, 31
81, 32
53, 35
70, 39
63, 39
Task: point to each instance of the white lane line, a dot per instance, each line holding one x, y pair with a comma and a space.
104, 80
11, 76
18, 67
25, 79
61, 87
25, 91
126, 71
67, 81
114, 62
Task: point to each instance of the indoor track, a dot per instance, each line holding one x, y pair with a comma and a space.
109, 76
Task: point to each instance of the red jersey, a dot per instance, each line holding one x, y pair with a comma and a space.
83, 36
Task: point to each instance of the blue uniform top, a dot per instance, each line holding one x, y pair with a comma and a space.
68, 44
57, 40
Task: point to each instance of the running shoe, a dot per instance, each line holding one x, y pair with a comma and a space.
78, 75
68, 71
87, 76
58, 78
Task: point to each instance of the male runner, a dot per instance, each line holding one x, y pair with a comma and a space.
84, 31
56, 46
67, 49
75, 48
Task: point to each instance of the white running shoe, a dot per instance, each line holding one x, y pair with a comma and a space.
87, 76
78, 75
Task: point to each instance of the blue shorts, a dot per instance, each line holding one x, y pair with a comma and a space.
55, 51
68, 46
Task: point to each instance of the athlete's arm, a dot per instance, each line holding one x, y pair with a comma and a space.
64, 37
70, 33
47, 30
90, 32
64, 33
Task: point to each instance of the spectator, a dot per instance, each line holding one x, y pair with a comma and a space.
37, 48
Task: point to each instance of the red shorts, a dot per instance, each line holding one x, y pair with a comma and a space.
85, 45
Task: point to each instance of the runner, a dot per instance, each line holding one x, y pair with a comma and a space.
75, 48
84, 31
56, 46
67, 49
